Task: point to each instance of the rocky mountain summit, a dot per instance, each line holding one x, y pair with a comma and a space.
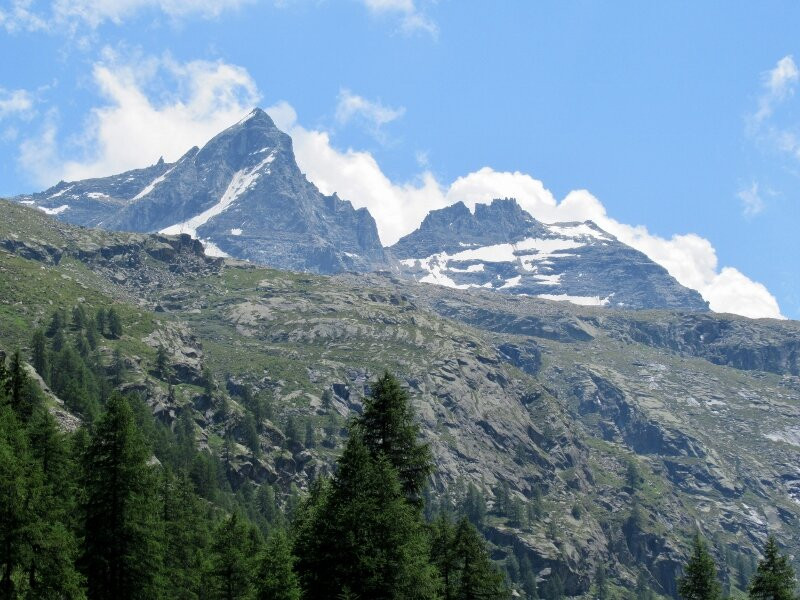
626, 430
242, 194
501, 247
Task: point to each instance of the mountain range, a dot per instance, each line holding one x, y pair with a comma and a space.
244, 196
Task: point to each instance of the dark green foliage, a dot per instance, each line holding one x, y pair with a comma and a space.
184, 521
79, 317
121, 556
292, 433
74, 383
699, 580
475, 506
162, 363
209, 385
389, 429
250, 435
57, 323
39, 358
114, 323
460, 556
100, 321
233, 560
276, 577
633, 476
358, 533
774, 578
553, 588
600, 583
117, 367
311, 437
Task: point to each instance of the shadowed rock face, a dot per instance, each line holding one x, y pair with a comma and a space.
242, 194
503, 248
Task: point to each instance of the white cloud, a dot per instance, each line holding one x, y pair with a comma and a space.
66, 14
412, 19
373, 114
752, 203
15, 102
95, 12
779, 84
134, 128
398, 209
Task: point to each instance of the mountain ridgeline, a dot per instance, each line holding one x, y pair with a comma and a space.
244, 196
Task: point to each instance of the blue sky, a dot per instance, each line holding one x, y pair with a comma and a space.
677, 117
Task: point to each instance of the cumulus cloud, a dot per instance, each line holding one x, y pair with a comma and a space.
133, 128
55, 15
398, 209
412, 19
15, 103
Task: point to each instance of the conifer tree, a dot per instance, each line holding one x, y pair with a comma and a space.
18, 393
100, 321
699, 580
39, 358
162, 363
389, 429
359, 534
186, 538
276, 577
233, 555
114, 323
121, 554
774, 578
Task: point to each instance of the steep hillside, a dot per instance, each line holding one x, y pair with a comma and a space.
597, 436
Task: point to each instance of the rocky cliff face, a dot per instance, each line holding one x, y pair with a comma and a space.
636, 427
503, 248
242, 194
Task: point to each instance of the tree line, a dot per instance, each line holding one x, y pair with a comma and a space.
774, 578
125, 507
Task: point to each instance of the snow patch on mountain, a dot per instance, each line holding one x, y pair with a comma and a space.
580, 300
240, 182
152, 185
54, 211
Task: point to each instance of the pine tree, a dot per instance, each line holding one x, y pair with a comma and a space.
14, 490
114, 323
276, 577
311, 437
478, 578
358, 533
389, 429
601, 583
39, 358
186, 538
233, 556
121, 555
475, 506
162, 363
100, 321
79, 317
774, 578
17, 385
699, 580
